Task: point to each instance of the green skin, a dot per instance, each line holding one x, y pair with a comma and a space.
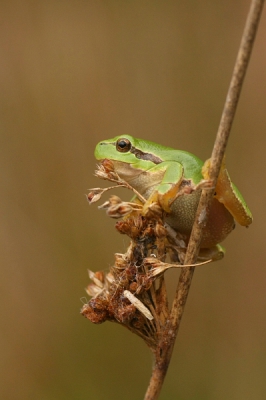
173, 178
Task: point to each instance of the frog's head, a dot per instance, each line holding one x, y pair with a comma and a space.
120, 148
126, 149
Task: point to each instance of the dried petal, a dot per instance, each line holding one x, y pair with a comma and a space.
114, 200
105, 205
94, 196
138, 304
160, 267
93, 290
94, 276
121, 261
118, 211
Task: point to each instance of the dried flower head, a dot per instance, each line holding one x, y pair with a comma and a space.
133, 292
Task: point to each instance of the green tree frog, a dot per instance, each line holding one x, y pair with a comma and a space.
173, 178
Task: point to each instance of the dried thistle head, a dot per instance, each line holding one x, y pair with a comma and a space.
133, 292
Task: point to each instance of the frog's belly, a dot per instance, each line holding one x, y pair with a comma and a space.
220, 222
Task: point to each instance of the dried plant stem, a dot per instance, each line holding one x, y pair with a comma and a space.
166, 344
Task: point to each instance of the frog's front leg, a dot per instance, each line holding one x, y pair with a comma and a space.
167, 190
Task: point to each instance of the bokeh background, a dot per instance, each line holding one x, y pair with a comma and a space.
73, 73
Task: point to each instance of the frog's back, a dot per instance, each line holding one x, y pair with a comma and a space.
192, 165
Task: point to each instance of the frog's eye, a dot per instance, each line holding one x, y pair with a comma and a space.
123, 145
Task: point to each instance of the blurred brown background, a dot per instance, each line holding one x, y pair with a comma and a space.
73, 73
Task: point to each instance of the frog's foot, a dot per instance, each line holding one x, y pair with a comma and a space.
153, 205
162, 197
213, 253
204, 184
188, 187
206, 168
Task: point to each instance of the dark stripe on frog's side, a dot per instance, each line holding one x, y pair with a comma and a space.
145, 156
140, 154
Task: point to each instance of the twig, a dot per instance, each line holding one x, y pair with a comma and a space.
165, 347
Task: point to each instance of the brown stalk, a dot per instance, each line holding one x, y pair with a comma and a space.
166, 343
